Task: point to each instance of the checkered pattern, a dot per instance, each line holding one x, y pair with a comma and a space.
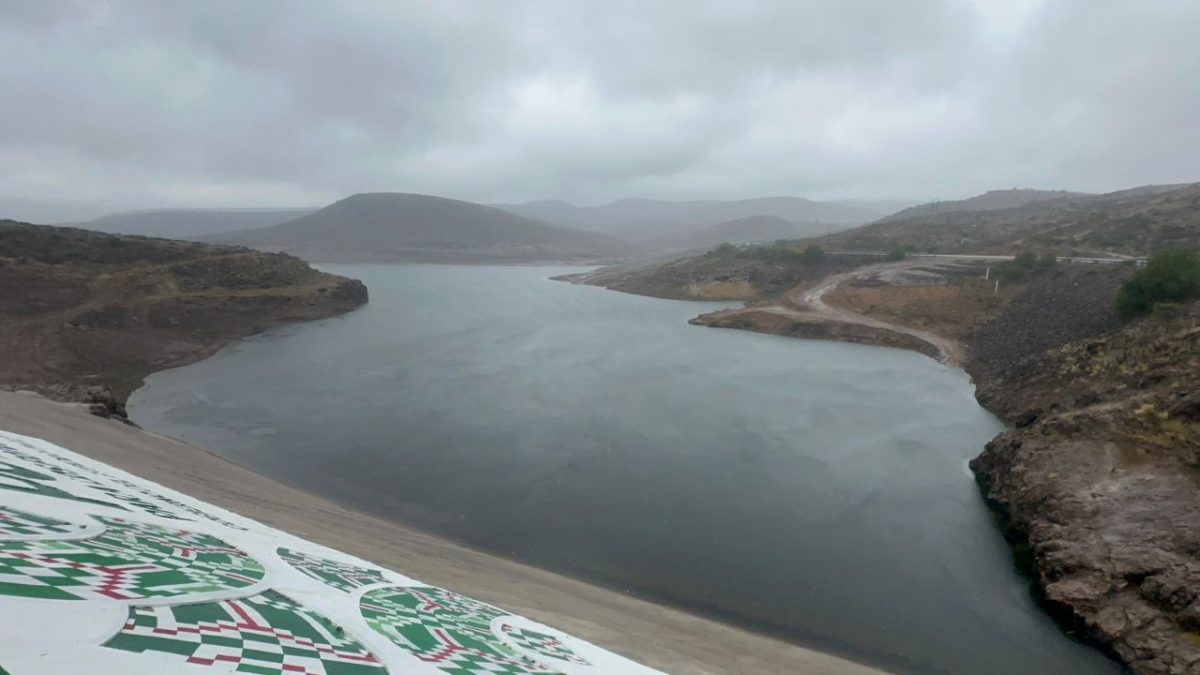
342, 576
267, 634
22, 479
175, 503
541, 644
40, 483
127, 562
14, 522
445, 629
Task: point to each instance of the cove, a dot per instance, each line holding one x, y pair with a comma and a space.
812, 489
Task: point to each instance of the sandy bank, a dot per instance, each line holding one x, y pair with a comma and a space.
660, 637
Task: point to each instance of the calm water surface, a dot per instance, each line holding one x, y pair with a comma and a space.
814, 488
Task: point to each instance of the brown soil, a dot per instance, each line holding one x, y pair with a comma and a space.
811, 326
954, 311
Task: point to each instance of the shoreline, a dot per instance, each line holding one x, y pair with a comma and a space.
1079, 454
661, 636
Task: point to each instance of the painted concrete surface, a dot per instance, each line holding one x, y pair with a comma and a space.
103, 572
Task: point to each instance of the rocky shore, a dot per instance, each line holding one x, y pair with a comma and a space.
1098, 481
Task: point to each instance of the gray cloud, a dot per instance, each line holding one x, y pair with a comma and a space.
224, 102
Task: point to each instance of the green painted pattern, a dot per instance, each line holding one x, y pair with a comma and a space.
342, 576
21, 479
266, 634
128, 561
62, 466
542, 644
445, 629
14, 522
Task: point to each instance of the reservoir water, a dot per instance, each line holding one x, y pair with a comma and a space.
813, 489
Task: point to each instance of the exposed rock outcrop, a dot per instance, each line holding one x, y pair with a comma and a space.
1099, 482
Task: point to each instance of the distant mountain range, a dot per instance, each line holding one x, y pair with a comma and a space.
399, 227
751, 229
647, 219
190, 223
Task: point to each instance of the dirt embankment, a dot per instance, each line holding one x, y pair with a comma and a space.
812, 326
86, 316
810, 311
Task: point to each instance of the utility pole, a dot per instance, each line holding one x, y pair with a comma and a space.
987, 273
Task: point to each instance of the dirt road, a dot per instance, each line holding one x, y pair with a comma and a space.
950, 351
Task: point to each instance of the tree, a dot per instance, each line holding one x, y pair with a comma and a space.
1170, 277
1025, 260
814, 255
897, 254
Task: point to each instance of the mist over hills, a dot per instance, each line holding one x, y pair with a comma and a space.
991, 200
401, 227
648, 219
191, 223
1135, 221
398, 227
751, 229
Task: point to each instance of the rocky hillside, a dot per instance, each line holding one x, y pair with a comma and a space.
86, 315
1099, 480
1133, 222
395, 227
992, 200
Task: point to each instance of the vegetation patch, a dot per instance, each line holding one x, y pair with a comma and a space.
1171, 278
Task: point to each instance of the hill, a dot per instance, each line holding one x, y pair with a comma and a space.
1127, 222
617, 216
190, 223
398, 227
881, 206
87, 312
751, 229
645, 220
988, 201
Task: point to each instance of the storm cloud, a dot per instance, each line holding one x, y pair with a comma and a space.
267, 103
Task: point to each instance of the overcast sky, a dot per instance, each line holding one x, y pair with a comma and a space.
273, 103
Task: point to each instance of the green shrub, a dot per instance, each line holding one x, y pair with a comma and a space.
1170, 277
1025, 260
814, 255
897, 254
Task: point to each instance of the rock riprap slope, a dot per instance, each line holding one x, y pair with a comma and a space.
105, 573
